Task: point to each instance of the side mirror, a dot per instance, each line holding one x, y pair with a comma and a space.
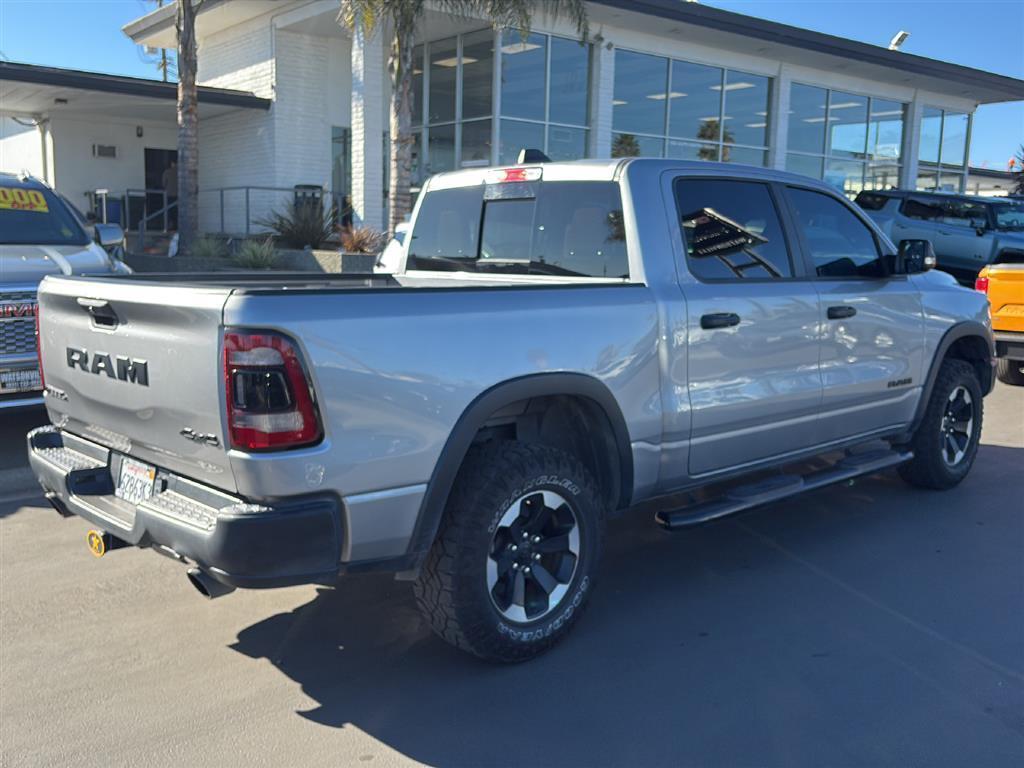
109, 235
980, 230
914, 257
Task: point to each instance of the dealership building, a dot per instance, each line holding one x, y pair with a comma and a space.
289, 98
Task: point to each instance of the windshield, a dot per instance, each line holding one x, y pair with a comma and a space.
1009, 215
563, 228
36, 217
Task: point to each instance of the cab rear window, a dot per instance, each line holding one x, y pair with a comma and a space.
567, 228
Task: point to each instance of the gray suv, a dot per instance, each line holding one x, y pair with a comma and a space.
966, 232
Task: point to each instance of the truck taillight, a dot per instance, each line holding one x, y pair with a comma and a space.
39, 350
269, 396
981, 284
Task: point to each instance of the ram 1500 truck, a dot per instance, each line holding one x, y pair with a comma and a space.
561, 342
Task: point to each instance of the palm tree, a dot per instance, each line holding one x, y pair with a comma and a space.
401, 17
188, 126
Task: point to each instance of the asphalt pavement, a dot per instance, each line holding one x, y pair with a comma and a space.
869, 624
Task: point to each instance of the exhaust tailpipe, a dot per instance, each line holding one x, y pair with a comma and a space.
206, 585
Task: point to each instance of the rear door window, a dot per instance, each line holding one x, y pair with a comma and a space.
731, 230
568, 228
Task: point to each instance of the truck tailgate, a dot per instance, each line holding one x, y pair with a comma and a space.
136, 366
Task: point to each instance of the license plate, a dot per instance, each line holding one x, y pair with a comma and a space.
20, 381
135, 482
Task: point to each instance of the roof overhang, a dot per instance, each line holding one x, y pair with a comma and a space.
35, 90
817, 49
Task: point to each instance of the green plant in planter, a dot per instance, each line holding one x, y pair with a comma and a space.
361, 240
207, 247
302, 225
257, 254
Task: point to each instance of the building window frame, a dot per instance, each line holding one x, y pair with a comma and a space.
719, 145
422, 125
938, 170
867, 160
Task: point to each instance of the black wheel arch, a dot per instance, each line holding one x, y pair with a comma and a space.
476, 417
970, 341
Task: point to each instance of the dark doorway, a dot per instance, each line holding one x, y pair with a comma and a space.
157, 161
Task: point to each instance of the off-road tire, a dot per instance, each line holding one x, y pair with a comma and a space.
928, 468
452, 591
1010, 371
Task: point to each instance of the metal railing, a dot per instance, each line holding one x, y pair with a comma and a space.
131, 207
162, 212
242, 211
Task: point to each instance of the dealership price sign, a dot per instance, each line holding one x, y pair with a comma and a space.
17, 199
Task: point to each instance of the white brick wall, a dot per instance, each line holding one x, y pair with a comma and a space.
301, 127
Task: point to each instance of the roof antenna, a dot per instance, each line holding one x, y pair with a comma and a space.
531, 156
898, 39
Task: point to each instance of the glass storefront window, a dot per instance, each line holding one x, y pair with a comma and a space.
695, 101
444, 62
931, 131
746, 110
570, 78
441, 146
476, 144
744, 155
632, 145
885, 130
805, 165
477, 79
845, 175
954, 139
807, 119
417, 85
707, 110
516, 134
543, 92
851, 141
566, 143
847, 125
690, 150
522, 75
943, 150
641, 83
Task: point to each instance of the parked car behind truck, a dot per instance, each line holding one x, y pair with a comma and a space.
561, 342
1004, 286
39, 235
966, 232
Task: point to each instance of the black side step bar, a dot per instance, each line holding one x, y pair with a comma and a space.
744, 497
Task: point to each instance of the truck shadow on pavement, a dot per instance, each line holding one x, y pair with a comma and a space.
785, 636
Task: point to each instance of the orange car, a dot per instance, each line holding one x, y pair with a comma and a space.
1004, 284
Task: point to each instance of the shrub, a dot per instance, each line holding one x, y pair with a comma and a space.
207, 247
306, 224
361, 240
257, 254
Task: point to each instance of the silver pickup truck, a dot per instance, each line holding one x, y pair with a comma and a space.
561, 343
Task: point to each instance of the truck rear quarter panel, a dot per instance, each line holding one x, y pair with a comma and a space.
393, 376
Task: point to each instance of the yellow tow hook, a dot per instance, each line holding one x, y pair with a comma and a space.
97, 543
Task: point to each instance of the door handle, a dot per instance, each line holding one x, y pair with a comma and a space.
103, 315
719, 320
838, 313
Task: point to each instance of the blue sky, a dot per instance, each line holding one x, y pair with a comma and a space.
86, 34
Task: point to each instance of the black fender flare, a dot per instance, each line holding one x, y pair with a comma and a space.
963, 329
476, 415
